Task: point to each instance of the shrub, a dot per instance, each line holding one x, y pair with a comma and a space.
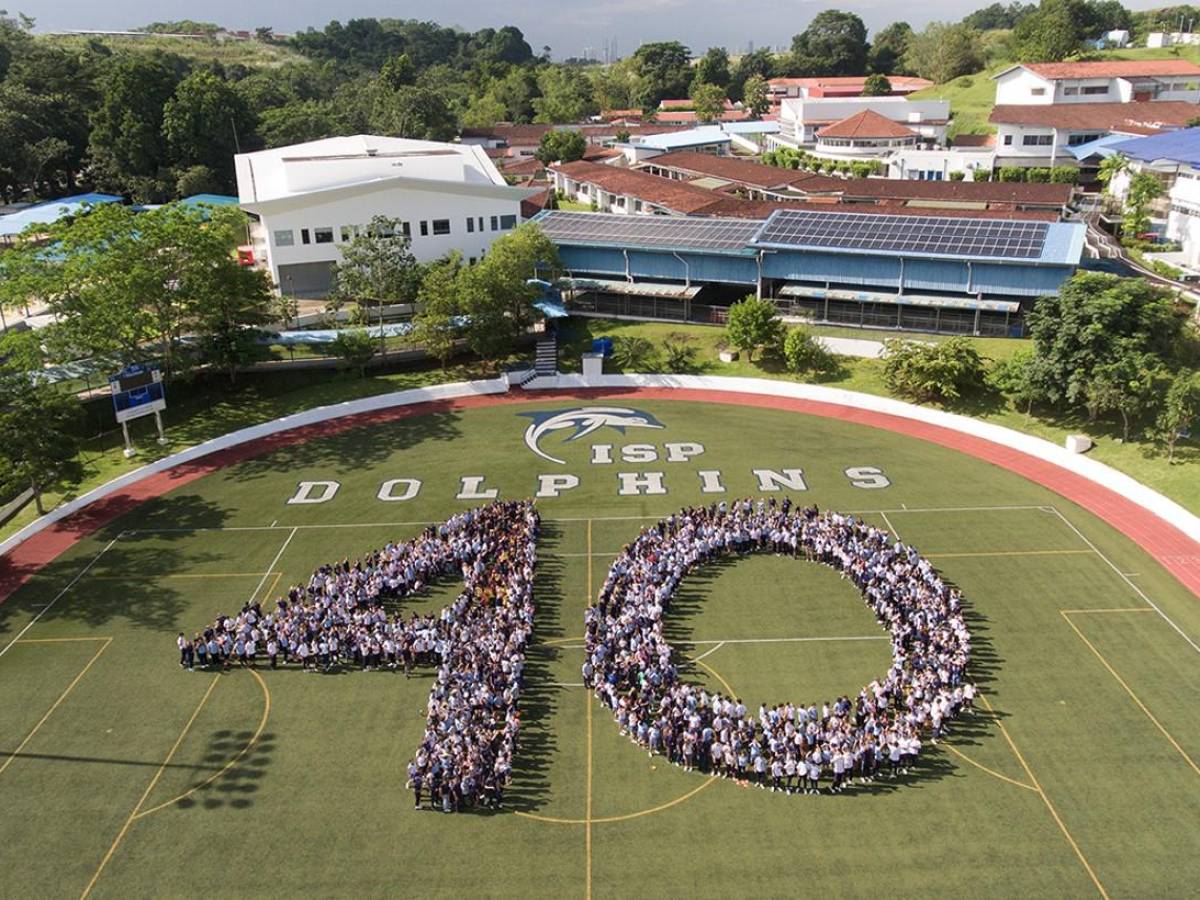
354, 347
680, 351
943, 371
752, 324
633, 354
802, 352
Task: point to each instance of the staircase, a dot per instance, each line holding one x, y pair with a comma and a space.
545, 360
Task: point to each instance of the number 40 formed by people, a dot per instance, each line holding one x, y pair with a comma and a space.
477, 645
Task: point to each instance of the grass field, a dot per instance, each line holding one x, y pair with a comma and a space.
121, 775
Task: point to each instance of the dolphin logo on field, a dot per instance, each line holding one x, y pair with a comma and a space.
585, 421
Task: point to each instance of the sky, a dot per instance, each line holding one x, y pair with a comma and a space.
567, 26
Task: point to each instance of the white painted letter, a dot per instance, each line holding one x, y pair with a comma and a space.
304, 492
411, 487
867, 477
470, 489
710, 482
770, 480
639, 453
633, 483
601, 454
683, 452
553, 485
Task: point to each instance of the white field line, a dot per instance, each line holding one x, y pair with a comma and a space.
271, 567
709, 652
59, 595
646, 518
891, 527
1125, 578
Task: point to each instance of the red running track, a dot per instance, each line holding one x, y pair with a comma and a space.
1173, 549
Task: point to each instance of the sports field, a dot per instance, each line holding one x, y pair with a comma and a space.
122, 775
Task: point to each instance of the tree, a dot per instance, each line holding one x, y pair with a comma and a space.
998, 17
377, 266
1093, 320
708, 100
561, 145
834, 43
1144, 188
760, 62
204, 122
802, 352
437, 326
298, 122
753, 324
877, 85
888, 49
1180, 410
663, 70
943, 52
633, 354
397, 71
755, 95
1111, 167
944, 371
127, 145
1126, 385
39, 430
1016, 378
566, 95
355, 347
1055, 31
411, 111
713, 68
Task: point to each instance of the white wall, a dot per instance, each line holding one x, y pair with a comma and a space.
1183, 222
407, 205
1017, 88
906, 163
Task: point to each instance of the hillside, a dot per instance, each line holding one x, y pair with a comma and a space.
247, 53
972, 96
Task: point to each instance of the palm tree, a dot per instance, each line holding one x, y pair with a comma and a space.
1111, 167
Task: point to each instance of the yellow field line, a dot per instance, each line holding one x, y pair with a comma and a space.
58, 702
271, 589
150, 787
70, 640
587, 829
1046, 800
262, 724
1129, 691
992, 772
1014, 553
717, 675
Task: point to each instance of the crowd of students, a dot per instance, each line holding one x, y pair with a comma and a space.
477, 643
785, 747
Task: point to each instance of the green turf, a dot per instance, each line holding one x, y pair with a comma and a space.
317, 806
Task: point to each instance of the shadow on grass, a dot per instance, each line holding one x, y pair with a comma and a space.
234, 789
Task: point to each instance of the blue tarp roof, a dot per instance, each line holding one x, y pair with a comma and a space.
1102, 146
50, 211
1177, 146
210, 200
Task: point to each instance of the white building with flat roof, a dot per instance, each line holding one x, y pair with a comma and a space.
309, 199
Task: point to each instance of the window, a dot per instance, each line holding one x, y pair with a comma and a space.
480, 223
285, 238
1071, 91
1084, 137
323, 235
470, 260
1037, 140
406, 228
470, 225
1094, 89
1008, 140
346, 233
424, 228
441, 226
1038, 92
507, 223
495, 223
304, 236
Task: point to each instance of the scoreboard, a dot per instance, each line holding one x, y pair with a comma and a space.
137, 391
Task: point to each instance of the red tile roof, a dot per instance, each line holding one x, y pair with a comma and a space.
665, 192
1145, 117
899, 83
1056, 195
675, 117
973, 140
1115, 68
743, 171
865, 124
531, 206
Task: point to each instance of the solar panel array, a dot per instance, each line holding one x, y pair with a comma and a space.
564, 227
1012, 239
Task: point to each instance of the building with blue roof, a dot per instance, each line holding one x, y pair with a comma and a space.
943, 274
1174, 158
49, 212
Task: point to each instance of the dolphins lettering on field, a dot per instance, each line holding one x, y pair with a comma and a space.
585, 421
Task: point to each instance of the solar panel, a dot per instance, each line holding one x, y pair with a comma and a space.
1013, 239
673, 232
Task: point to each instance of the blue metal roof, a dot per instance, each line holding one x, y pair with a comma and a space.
677, 140
1177, 146
51, 211
1102, 146
209, 200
